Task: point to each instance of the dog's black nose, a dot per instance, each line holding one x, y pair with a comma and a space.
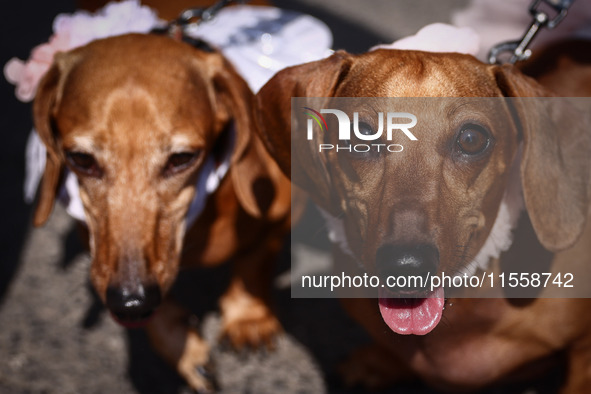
129, 305
410, 265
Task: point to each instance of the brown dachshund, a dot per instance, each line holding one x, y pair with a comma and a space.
413, 210
138, 119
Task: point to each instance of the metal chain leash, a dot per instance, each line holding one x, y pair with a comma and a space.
193, 17
517, 50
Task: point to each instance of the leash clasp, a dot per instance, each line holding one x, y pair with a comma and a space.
189, 20
193, 17
518, 49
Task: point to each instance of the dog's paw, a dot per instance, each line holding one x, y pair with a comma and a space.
373, 368
251, 327
201, 379
196, 367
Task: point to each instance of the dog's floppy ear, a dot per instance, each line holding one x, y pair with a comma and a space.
555, 168
235, 98
46, 101
274, 124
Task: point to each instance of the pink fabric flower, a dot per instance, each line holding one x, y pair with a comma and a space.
71, 31
26, 75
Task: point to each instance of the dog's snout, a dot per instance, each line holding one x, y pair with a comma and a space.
133, 304
411, 265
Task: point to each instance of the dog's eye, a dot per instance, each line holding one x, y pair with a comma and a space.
358, 148
365, 129
84, 163
473, 139
177, 162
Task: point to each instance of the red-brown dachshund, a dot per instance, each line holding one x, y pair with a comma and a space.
141, 120
416, 208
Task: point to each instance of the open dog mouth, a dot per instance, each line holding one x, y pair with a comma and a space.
409, 305
417, 316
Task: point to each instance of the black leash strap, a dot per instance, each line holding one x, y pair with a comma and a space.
517, 50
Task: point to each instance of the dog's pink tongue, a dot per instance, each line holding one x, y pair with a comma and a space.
413, 315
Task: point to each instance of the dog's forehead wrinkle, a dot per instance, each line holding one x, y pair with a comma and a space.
132, 123
131, 129
180, 142
80, 141
174, 96
426, 74
151, 55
